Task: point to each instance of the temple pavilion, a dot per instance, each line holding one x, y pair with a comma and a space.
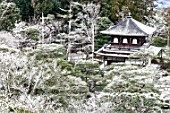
126, 37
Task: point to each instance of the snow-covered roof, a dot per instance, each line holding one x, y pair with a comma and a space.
154, 50
104, 52
113, 55
130, 27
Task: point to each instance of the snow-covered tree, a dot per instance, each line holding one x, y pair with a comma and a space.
9, 15
81, 26
145, 55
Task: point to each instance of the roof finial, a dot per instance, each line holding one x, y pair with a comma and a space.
129, 14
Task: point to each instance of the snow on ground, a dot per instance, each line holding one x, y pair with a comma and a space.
8, 39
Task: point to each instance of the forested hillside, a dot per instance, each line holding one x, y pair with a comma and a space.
47, 61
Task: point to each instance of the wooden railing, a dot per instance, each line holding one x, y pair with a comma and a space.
123, 48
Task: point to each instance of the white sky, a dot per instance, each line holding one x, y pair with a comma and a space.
163, 3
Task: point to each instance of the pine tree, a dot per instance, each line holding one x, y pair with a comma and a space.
9, 15
118, 9
42, 6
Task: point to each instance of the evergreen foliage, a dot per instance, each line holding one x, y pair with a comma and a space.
118, 9
114, 9
103, 24
9, 15
159, 42
42, 6
33, 34
26, 9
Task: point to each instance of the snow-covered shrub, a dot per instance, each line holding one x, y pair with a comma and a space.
32, 33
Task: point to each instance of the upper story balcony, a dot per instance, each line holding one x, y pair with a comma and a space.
122, 47
125, 47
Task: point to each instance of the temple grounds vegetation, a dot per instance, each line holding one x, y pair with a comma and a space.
43, 76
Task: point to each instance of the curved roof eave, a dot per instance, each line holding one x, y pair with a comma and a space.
119, 34
146, 29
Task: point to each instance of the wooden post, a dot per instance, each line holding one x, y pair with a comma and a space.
120, 40
130, 43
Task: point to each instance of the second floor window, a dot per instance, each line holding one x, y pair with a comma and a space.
134, 41
125, 41
115, 40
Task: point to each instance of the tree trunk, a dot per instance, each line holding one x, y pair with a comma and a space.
92, 30
149, 61
69, 30
42, 32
